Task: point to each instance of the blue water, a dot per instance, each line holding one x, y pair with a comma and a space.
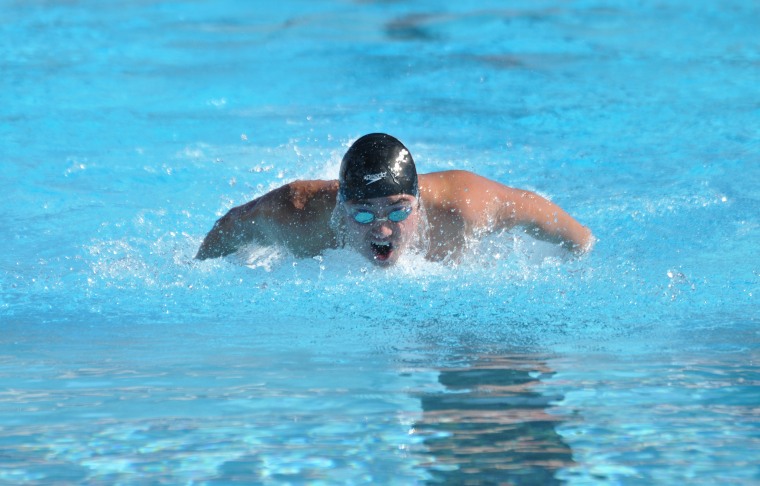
127, 128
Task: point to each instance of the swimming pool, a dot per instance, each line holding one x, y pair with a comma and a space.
128, 128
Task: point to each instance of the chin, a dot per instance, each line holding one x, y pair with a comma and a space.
384, 263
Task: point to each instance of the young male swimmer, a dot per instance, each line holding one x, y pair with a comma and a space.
381, 209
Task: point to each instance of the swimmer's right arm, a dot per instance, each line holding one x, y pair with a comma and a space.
240, 226
296, 215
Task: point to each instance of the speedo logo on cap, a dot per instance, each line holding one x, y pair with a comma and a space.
372, 178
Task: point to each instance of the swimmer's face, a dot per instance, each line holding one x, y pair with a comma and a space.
382, 228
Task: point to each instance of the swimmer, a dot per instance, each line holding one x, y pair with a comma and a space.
380, 208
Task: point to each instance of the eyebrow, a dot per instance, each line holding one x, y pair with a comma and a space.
392, 203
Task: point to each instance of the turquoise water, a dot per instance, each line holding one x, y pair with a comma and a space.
129, 127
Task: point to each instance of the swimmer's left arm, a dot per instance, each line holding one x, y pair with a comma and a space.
546, 221
503, 207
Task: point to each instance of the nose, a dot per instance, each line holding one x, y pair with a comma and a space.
382, 230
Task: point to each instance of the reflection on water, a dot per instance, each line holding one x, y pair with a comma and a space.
490, 425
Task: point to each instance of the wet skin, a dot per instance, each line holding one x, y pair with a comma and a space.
382, 241
459, 205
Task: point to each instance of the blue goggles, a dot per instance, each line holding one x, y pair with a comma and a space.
395, 216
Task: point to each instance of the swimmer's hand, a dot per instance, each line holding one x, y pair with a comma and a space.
230, 233
587, 246
215, 246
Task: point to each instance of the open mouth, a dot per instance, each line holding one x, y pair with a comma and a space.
382, 250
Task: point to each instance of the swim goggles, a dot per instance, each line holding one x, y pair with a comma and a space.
395, 216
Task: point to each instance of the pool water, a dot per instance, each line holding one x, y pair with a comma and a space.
128, 128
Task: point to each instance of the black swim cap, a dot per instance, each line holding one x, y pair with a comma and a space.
377, 165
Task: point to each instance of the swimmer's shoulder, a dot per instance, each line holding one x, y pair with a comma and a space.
297, 214
449, 186
295, 196
293, 203
303, 195
460, 195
